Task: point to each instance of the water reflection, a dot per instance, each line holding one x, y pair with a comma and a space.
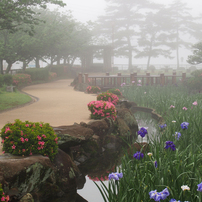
99, 168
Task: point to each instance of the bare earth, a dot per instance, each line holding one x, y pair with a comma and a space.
59, 104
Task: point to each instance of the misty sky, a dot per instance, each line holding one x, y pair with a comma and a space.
85, 10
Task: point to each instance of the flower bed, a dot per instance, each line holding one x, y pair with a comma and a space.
102, 109
28, 138
93, 89
110, 97
21, 79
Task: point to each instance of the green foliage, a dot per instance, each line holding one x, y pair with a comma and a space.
1, 80
110, 97
28, 138
38, 74
196, 58
102, 109
52, 76
115, 91
21, 79
7, 79
195, 82
93, 89
174, 168
3, 197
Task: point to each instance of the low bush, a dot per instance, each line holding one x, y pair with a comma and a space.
28, 138
102, 109
115, 91
7, 79
195, 82
110, 97
37, 74
93, 89
3, 197
52, 76
21, 79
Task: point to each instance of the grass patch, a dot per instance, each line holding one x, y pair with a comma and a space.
9, 100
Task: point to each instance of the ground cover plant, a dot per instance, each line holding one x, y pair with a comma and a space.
93, 89
110, 97
102, 109
12, 99
28, 138
172, 168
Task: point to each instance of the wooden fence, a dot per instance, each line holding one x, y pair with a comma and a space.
110, 81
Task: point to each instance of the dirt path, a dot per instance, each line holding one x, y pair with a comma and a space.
58, 104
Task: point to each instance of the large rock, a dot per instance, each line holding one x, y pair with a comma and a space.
72, 136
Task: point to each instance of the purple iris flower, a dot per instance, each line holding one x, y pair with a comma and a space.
138, 155
199, 187
184, 125
177, 135
142, 132
170, 144
115, 176
155, 164
162, 126
157, 196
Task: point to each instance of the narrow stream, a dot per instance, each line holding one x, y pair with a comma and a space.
90, 192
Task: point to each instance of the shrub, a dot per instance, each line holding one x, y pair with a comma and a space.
110, 97
1, 80
102, 109
195, 82
93, 89
3, 197
115, 91
7, 79
21, 79
52, 76
28, 138
37, 74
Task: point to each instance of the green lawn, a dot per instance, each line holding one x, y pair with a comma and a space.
12, 99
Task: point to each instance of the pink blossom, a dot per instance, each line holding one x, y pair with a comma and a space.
41, 125
56, 139
3, 198
22, 139
30, 153
133, 81
21, 133
23, 150
184, 108
26, 139
195, 103
39, 138
41, 142
43, 136
2, 141
7, 129
6, 137
139, 81
27, 125
172, 106
13, 147
3, 152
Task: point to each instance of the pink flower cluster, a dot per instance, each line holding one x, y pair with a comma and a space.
102, 109
110, 97
93, 89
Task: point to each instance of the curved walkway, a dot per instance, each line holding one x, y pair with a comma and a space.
59, 104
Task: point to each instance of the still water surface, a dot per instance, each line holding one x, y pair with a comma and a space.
90, 192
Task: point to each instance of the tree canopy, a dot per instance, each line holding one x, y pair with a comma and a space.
196, 58
14, 13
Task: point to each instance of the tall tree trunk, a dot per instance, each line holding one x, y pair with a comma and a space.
8, 67
37, 62
148, 61
24, 65
65, 61
58, 59
1, 66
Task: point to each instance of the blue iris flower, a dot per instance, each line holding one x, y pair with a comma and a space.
115, 176
184, 125
142, 132
138, 155
170, 144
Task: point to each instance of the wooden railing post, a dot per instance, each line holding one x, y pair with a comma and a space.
118, 79
132, 78
174, 78
106, 80
135, 77
183, 77
86, 78
80, 78
162, 79
148, 78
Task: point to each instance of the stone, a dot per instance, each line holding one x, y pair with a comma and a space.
27, 198
72, 136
